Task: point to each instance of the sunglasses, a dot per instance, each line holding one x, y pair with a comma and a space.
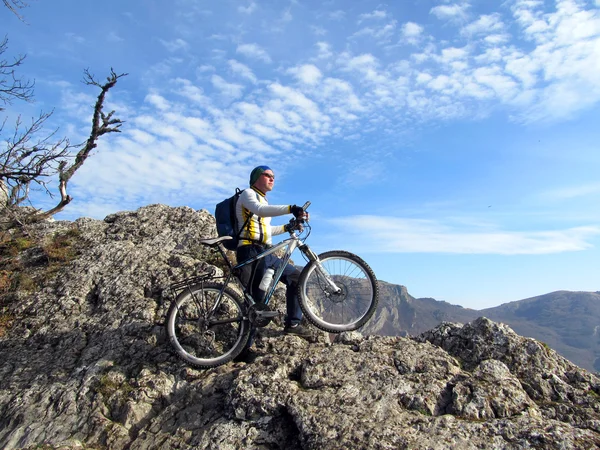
272, 177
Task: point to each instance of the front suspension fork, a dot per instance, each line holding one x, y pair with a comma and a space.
312, 257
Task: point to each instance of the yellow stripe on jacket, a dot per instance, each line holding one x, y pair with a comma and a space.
253, 203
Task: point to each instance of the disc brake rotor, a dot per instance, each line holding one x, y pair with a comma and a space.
339, 297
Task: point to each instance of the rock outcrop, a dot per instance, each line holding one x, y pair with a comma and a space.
86, 363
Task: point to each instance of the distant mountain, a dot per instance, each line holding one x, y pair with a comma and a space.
568, 322
400, 313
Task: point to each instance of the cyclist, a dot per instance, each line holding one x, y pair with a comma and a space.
256, 237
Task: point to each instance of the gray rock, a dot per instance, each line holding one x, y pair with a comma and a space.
86, 363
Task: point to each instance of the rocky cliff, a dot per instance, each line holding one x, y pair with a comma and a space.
86, 364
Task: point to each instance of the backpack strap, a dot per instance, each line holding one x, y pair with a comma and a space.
238, 192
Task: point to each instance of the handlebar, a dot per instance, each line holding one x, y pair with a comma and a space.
295, 221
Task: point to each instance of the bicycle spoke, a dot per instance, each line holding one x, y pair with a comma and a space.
206, 326
347, 305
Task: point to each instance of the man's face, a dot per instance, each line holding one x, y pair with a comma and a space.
265, 182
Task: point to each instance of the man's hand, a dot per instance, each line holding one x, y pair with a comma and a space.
293, 225
297, 211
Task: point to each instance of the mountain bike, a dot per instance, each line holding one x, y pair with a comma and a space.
209, 322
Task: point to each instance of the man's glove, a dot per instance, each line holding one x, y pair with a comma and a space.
293, 226
296, 211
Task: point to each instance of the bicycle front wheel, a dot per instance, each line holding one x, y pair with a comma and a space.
339, 292
207, 329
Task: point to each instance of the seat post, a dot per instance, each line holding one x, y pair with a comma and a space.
224, 255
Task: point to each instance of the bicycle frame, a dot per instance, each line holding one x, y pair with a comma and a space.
290, 245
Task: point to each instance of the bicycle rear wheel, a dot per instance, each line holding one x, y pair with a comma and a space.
347, 309
205, 330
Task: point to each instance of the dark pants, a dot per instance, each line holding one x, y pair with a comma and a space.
252, 275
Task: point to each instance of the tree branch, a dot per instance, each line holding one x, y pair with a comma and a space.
101, 124
14, 6
11, 87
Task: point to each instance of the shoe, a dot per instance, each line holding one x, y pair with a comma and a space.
298, 330
247, 356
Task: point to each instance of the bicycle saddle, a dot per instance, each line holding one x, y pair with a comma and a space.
214, 241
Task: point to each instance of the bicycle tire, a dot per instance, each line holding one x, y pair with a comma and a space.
345, 311
203, 338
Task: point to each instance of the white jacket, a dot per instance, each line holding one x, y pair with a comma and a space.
253, 203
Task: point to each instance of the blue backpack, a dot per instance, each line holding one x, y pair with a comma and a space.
227, 220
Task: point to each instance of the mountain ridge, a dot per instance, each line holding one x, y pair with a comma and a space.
546, 317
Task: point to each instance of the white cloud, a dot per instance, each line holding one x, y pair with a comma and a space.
296, 99
411, 32
375, 15
175, 45
572, 192
450, 54
205, 68
342, 93
486, 24
72, 37
383, 33
242, 70
254, 51
158, 101
364, 62
496, 39
266, 132
142, 137
76, 104
532, 21
193, 93
318, 31
423, 78
324, 50
113, 36
455, 12
524, 68
398, 235
230, 90
287, 16
247, 9
566, 58
494, 78
445, 84
337, 15
307, 74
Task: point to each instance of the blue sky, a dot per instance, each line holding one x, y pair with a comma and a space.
452, 144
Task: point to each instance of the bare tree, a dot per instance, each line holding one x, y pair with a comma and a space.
31, 155
27, 159
15, 6
101, 124
15, 164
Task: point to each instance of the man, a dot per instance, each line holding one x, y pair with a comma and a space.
254, 210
